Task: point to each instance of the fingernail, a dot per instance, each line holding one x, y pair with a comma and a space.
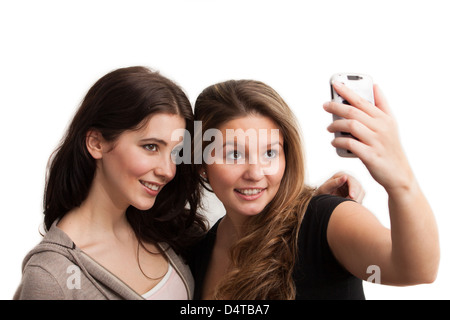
337, 84
326, 105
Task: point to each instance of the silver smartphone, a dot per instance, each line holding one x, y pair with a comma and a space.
361, 84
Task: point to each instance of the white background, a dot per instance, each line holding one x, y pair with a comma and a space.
53, 51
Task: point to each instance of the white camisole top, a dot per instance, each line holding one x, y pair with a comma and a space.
171, 287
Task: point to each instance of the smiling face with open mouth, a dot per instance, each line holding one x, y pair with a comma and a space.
250, 175
136, 166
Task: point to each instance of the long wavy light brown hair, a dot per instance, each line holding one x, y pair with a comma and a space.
262, 262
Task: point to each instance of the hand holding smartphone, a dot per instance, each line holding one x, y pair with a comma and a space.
362, 85
377, 143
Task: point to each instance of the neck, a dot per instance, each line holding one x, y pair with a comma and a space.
233, 227
99, 216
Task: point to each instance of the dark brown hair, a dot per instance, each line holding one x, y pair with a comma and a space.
119, 101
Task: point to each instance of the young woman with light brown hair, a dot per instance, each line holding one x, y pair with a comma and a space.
278, 240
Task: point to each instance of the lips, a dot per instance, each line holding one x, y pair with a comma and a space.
151, 187
249, 194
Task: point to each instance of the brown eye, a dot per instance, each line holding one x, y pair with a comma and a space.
151, 147
271, 154
234, 155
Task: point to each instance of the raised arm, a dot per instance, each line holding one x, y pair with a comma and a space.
408, 253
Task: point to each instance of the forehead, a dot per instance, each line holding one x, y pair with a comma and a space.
263, 127
158, 126
162, 124
250, 121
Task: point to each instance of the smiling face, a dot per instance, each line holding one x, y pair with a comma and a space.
250, 174
133, 169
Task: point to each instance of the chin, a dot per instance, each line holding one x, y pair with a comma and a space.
144, 206
250, 212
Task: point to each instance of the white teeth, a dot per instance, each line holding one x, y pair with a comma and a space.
249, 192
153, 187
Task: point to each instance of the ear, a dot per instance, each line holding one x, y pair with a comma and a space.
95, 144
203, 173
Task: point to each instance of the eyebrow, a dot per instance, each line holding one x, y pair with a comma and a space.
147, 140
233, 143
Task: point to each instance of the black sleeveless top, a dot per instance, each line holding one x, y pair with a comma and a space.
317, 274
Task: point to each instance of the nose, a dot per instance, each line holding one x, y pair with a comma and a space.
254, 172
165, 169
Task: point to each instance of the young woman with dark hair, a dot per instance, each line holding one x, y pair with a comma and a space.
119, 214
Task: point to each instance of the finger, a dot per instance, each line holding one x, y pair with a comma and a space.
332, 185
360, 197
339, 181
349, 112
354, 99
353, 127
355, 190
380, 100
338, 174
357, 147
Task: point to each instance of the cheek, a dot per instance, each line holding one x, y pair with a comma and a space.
280, 174
276, 178
130, 162
221, 177
138, 167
